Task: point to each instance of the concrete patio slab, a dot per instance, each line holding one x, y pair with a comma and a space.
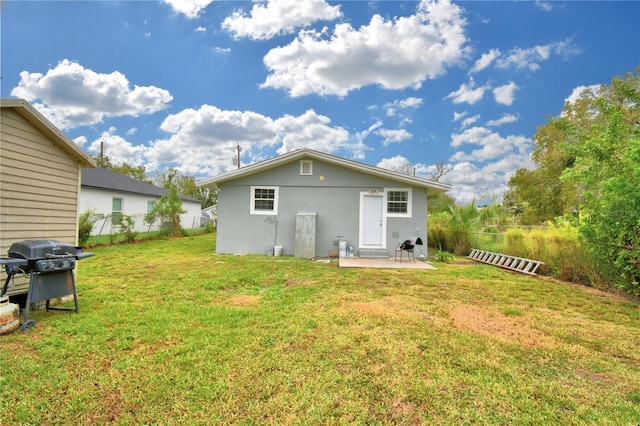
390, 263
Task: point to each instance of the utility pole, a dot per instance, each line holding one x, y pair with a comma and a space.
238, 157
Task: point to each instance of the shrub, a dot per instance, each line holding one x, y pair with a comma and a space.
127, 228
85, 225
443, 256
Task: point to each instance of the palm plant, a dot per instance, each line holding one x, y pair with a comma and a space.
462, 222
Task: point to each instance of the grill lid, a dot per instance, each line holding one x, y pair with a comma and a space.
41, 249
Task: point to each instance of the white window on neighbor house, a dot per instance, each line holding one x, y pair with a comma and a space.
306, 167
264, 200
398, 202
150, 206
116, 211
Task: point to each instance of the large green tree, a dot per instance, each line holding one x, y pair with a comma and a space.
135, 172
186, 185
606, 173
589, 166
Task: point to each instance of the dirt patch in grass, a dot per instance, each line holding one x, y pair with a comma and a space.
499, 326
243, 300
400, 309
377, 308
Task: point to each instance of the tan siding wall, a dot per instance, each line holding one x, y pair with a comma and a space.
38, 186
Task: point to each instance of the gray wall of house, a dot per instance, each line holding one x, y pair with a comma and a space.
332, 192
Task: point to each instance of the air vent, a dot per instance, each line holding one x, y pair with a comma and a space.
306, 167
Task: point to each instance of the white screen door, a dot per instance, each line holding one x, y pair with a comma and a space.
372, 226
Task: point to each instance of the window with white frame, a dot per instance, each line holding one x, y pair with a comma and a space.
306, 167
399, 202
264, 200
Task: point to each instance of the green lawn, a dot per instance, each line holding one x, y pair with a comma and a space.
169, 333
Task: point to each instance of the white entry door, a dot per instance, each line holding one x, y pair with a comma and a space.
372, 221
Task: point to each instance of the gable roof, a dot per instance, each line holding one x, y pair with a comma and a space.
39, 121
432, 186
109, 180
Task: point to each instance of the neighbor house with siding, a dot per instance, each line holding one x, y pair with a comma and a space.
305, 201
40, 175
112, 195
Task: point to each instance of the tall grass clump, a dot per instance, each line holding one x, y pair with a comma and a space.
516, 244
560, 247
437, 233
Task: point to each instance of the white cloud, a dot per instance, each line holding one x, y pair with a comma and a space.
200, 30
221, 50
118, 149
469, 121
410, 102
544, 5
468, 93
80, 140
491, 144
485, 60
310, 130
189, 8
468, 180
394, 54
458, 115
579, 91
72, 96
360, 136
393, 136
132, 131
399, 163
203, 141
530, 58
395, 163
484, 182
211, 125
505, 94
278, 17
505, 119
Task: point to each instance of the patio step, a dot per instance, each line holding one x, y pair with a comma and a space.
373, 254
518, 264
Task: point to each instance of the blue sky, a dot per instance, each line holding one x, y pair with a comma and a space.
179, 83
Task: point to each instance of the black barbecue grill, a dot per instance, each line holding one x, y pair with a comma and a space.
50, 266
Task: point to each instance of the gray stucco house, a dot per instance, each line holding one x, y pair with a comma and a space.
304, 200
